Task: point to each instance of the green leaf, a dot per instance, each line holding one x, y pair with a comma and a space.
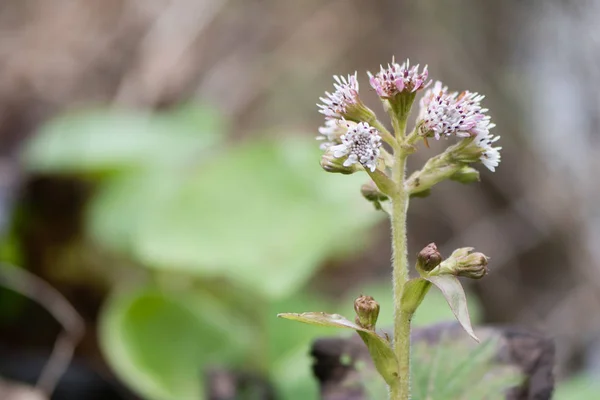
379, 348
121, 205
454, 369
289, 344
157, 344
323, 319
455, 296
108, 140
262, 215
580, 387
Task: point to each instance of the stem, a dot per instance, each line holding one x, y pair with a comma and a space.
400, 277
402, 319
385, 134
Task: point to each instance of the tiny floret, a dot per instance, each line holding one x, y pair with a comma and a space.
339, 103
360, 144
397, 78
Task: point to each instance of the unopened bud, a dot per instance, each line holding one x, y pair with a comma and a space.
332, 164
464, 263
466, 175
367, 311
473, 266
428, 258
371, 192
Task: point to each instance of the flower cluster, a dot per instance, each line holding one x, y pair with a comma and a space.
348, 133
397, 78
339, 103
446, 114
360, 144
452, 114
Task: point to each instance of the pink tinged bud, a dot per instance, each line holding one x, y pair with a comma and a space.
429, 258
396, 79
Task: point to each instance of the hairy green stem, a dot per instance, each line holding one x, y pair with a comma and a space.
385, 134
400, 277
402, 319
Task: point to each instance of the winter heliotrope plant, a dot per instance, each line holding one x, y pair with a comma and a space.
353, 139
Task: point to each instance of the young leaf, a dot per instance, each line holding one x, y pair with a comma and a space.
159, 345
379, 348
323, 319
456, 298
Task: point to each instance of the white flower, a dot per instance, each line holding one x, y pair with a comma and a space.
337, 104
447, 114
360, 144
490, 156
398, 78
332, 131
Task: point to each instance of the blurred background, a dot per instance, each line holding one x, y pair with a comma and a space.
158, 170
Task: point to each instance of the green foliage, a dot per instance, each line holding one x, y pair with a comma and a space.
579, 387
248, 214
453, 370
100, 140
158, 345
231, 234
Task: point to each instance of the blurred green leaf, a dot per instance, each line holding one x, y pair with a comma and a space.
289, 346
121, 204
579, 387
451, 369
108, 140
157, 344
262, 215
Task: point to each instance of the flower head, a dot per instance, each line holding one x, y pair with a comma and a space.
339, 104
397, 78
360, 144
332, 131
490, 156
452, 114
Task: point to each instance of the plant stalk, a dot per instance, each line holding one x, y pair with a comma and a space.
400, 269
